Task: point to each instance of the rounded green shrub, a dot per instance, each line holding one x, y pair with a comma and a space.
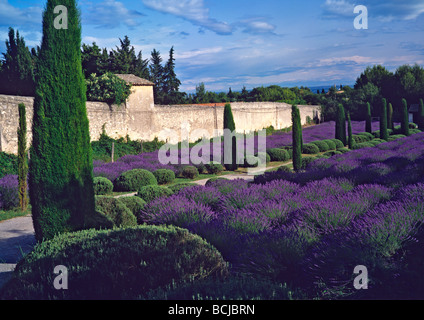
264, 155
369, 136
179, 186
102, 186
310, 148
413, 125
118, 264
362, 145
322, 145
190, 172
214, 167
251, 162
150, 193
396, 136
212, 180
306, 161
134, 203
376, 141
164, 176
134, 179
343, 150
331, 153
331, 144
284, 169
414, 131
116, 211
339, 143
278, 154
289, 150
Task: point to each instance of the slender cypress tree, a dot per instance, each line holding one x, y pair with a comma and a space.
421, 115
349, 131
368, 122
405, 118
22, 158
230, 145
61, 166
390, 117
341, 124
383, 120
297, 139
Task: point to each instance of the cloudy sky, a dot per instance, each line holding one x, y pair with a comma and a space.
236, 43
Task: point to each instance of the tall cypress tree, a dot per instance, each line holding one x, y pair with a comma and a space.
230, 145
171, 83
421, 115
297, 139
383, 120
61, 167
22, 158
405, 118
157, 76
368, 120
390, 116
341, 124
350, 140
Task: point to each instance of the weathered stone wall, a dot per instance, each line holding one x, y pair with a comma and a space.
140, 119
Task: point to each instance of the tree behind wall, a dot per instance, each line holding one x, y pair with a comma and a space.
390, 116
341, 124
230, 146
297, 139
421, 115
61, 167
22, 158
383, 120
350, 140
405, 118
368, 119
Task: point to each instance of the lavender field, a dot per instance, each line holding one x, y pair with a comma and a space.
310, 229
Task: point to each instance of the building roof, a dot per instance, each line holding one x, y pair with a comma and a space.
134, 80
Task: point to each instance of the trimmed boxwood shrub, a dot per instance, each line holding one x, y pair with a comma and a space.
339, 143
251, 162
289, 150
212, 180
376, 133
396, 136
134, 179
413, 125
278, 154
116, 210
214, 167
118, 264
102, 186
369, 136
331, 144
135, 204
264, 155
322, 145
164, 176
414, 131
150, 193
177, 187
331, 153
190, 172
377, 141
306, 161
284, 169
310, 148
362, 145
343, 150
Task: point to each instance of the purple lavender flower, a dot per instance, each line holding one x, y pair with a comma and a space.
9, 192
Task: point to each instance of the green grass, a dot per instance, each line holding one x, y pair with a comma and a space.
10, 214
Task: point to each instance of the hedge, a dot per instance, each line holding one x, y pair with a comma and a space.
310, 148
331, 144
150, 193
214, 167
177, 187
212, 180
279, 155
164, 176
322, 145
362, 145
190, 172
116, 211
134, 179
134, 203
119, 264
102, 186
339, 144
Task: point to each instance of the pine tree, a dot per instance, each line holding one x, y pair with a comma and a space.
368, 120
61, 166
390, 117
22, 158
90, 59
229, 145
142, 67
405, 118
350, 140
123, 58
171, 83
297, 139
341, 124
383, 120
421, 115
157, 76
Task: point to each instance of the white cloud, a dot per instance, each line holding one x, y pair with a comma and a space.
191, 10
12, 16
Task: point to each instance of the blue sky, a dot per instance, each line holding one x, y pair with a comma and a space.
236, 43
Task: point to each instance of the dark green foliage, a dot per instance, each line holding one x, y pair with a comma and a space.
190, 172
369, 136
214, 167
332, 153
363, 145
177, 187
238, 287
212, 180
117, 264
341, 124
61, 166
395, 137
107, 88
284, 169
390, 116
116, 210
368, 123
230, 142
102, 186
164, 176
306, 161
251, 161
377, 141
350, 140
414, 131
421, 115
297, 139
134, 179
383, 120
22, 158
322, 145
405, 118
134, 203
150, 193
278, 154
343, 150
339, 144
171, 83
331, 144
359, 138
8, 164
310, 148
